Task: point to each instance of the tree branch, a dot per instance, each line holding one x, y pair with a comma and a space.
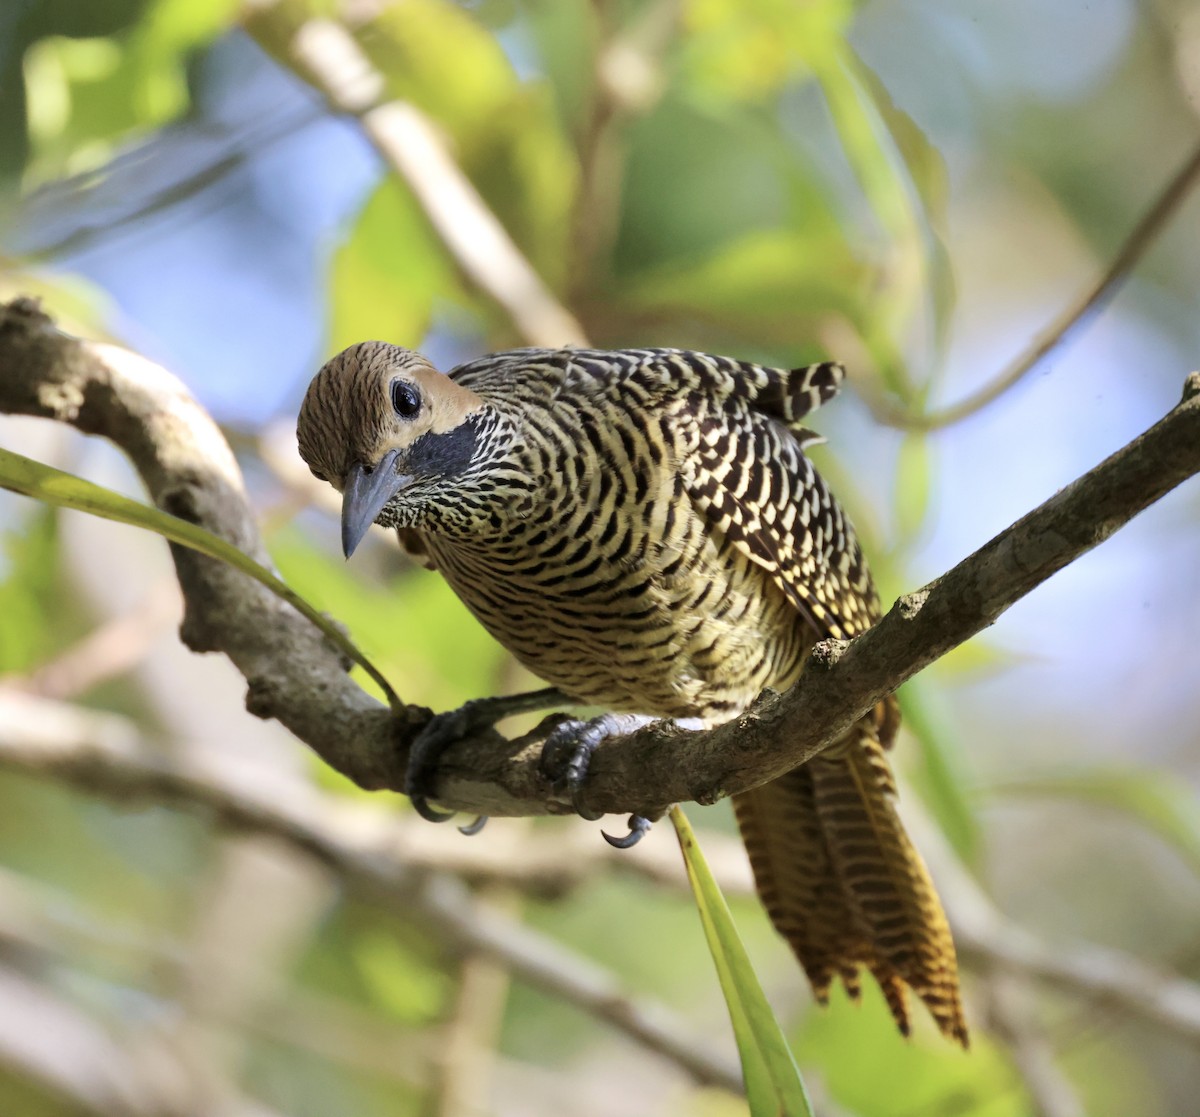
295, 677
1071, 320
329, 57
383, 857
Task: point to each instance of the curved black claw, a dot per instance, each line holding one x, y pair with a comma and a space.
428, 813
565, 757
575, 741
638, 828
470, 831
442, 730
438, 735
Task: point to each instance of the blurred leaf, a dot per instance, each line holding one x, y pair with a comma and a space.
52, 486
749, 49
563, 32
927, 172
771, 277
407, 986
773, 1084
413, 626
913, 486
868, 1067
694, 182
873, 155
940, 778
506, 133
28, 587
1166, 806
435, 54
528, 176
387, 275
924, 163
88, 94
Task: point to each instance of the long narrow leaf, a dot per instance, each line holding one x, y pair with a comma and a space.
774, 1087
23, 475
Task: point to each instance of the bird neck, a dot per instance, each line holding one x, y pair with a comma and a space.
482, 501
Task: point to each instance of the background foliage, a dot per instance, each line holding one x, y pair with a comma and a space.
914, 186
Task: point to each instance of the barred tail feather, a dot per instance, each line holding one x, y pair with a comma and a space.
845, 886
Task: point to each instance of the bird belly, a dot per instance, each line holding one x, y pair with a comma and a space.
689, 630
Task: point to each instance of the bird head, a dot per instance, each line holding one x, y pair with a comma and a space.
387, 430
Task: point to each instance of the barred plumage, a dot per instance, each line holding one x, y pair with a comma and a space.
643, 530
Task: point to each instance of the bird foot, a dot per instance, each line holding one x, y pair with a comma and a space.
567, 753
443, 730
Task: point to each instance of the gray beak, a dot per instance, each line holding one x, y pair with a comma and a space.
365, 495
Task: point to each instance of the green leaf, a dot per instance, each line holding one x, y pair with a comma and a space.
388, 273
765, 284
914, 482
774, 1087
722, 181
749, 49
1160, 803
29, 587
528, 175
89, 94
437, 55
22, 475
873, 154
940, 779
927, 172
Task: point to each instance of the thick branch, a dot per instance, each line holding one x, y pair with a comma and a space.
296, 678
189, 470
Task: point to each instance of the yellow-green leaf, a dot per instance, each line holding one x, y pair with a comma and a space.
389, 272
774, 1087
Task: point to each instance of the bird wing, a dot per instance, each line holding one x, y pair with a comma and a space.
650, 376
750, 478
741, 438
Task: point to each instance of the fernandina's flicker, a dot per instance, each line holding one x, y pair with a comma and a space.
643, 530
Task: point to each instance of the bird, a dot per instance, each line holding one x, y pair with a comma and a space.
643, 530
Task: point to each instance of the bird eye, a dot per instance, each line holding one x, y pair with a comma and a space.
405, 399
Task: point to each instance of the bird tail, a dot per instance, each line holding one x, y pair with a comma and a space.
843, 883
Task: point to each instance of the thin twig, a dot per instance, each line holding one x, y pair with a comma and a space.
1074, 318
49, 739
101, 754
411, 145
